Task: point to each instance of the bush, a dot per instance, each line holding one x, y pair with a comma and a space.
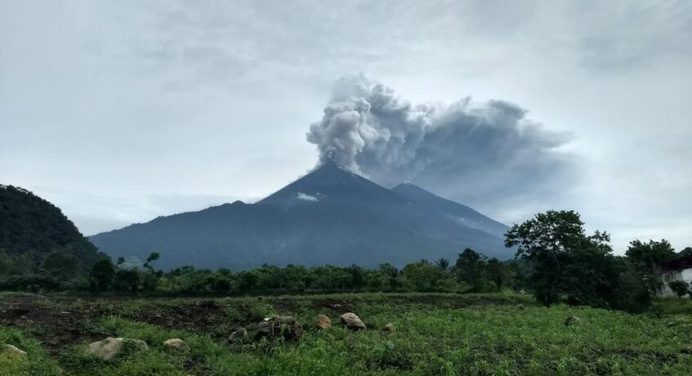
680, 288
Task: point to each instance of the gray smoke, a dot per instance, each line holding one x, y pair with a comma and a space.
465, 150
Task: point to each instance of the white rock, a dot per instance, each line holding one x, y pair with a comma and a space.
110, 347
176, 344
14, 351
352, 321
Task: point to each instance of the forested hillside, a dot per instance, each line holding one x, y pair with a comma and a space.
37, 241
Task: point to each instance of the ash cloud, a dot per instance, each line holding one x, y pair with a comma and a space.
485, 154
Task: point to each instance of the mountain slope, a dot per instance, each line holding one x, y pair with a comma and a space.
458, 212
29, 223
330, 216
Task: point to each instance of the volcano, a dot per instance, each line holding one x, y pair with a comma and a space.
329, 216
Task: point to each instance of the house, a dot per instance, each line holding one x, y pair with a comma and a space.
679, 268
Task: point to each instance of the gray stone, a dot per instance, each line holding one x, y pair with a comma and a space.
285, 327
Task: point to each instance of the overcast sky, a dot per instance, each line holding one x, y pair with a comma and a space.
121, 111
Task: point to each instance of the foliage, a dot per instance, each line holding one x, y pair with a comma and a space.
35, 363
430, 339
36, 238
680, 288
567, 263
646, 257
102, 276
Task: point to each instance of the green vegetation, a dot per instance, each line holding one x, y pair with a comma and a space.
435, 334
680, 288
38, 363
40, 249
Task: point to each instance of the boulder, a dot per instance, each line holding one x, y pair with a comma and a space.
572, 320
238, 336
111, 347
323, 322
352, 321
14, 351
176, 344
389, 328
279, 327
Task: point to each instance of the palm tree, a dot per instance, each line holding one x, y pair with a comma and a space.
442, 264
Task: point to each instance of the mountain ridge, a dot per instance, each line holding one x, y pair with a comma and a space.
329, 216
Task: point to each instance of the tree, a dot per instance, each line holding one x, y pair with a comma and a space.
61, 265
686, 252
680, 288
498, 273
647, 257
102, 276
470, 268
547, 242
423, 276
153, 256
650, 254
442, 264
127, 280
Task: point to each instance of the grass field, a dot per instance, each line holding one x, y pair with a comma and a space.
435, 334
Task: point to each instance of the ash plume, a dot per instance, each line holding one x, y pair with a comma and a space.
464, 150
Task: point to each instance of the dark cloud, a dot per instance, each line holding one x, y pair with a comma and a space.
469, 151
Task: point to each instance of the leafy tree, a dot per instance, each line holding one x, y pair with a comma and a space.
650, 254
102, 276
423, 276
498, 273
680, 288
61, 265
630, 293
686, 252
127, 280
555, 245
647, 257
15, 265
470, 268
153, 256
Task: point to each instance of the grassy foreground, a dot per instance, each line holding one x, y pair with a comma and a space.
436, 334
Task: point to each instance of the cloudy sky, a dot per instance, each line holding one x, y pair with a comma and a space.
121, 111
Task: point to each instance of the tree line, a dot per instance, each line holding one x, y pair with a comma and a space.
556, 260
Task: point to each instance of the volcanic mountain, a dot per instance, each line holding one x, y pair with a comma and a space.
329, 216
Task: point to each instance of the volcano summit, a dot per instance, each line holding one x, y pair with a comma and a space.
329, 216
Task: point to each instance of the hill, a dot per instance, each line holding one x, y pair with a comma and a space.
330, 216
33, 227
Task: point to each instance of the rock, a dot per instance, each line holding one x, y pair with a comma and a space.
238, 336
572, 320
323, 322
389, 328
111, 347
176, 344
352, 321
14, 351
520, 307
280, 327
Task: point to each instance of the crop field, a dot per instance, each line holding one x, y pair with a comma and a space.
405, 334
